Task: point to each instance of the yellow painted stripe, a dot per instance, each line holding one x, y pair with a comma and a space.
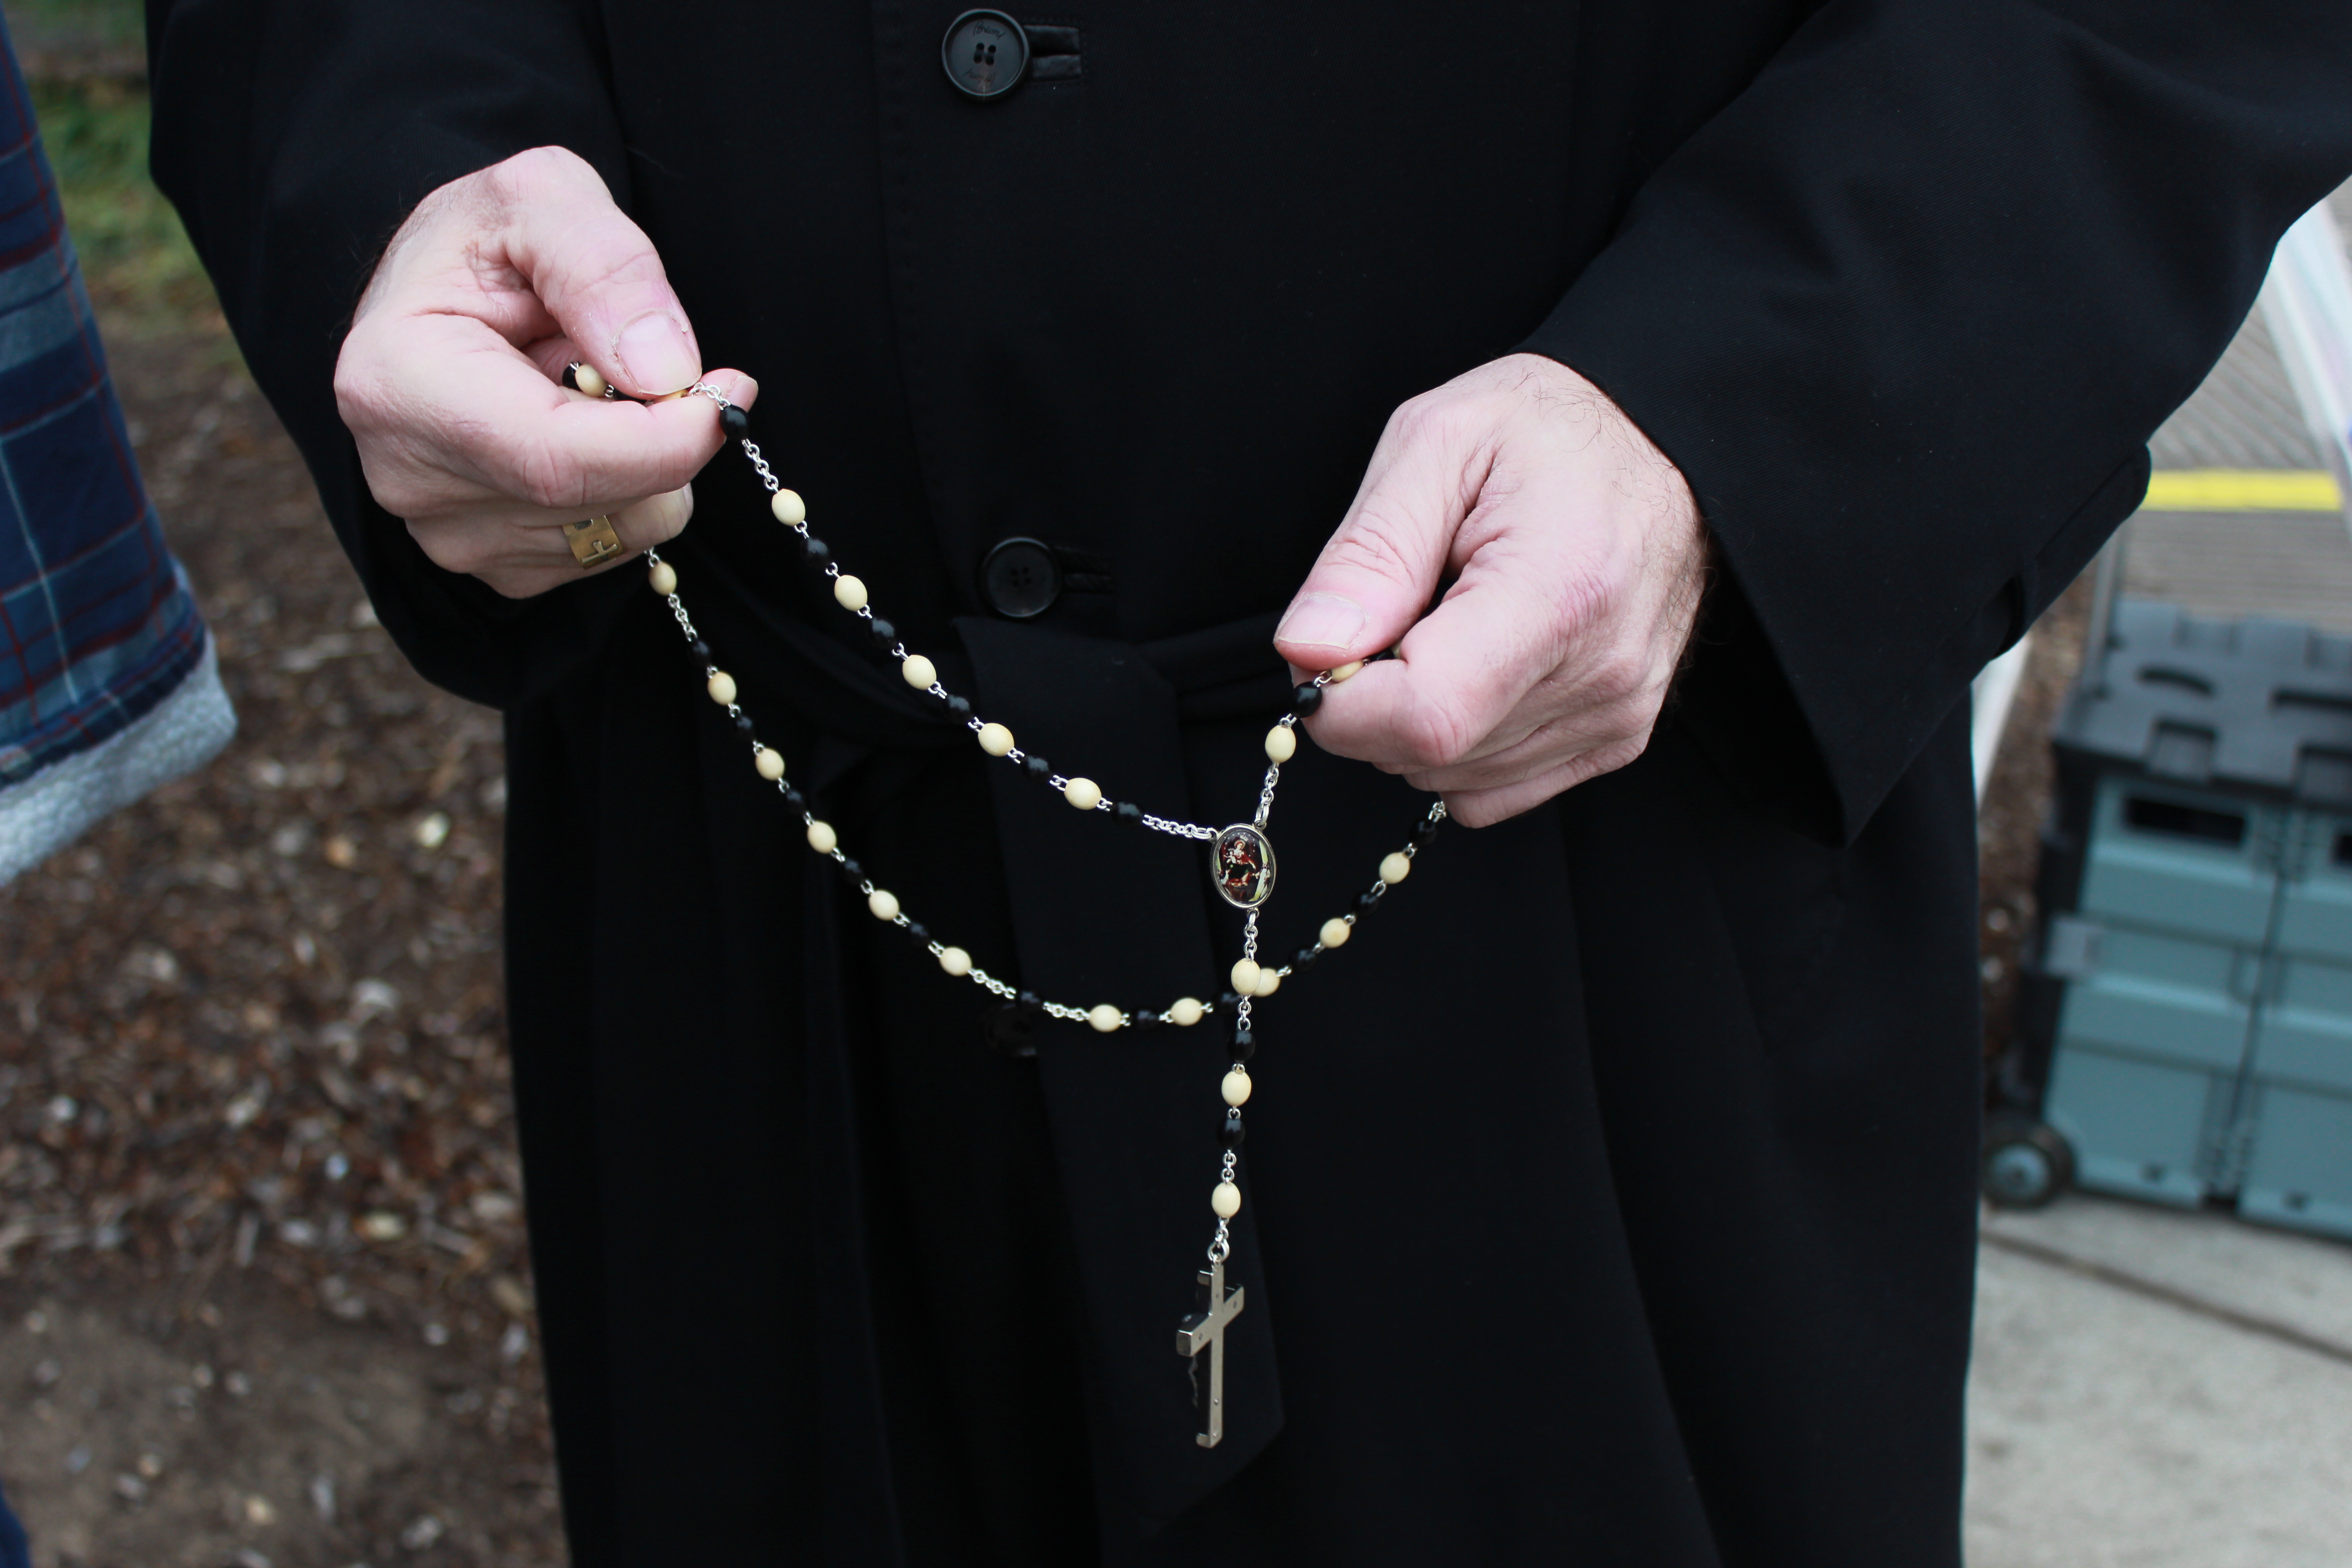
2243, 490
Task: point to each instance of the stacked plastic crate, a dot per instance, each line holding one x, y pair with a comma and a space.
2188, 1036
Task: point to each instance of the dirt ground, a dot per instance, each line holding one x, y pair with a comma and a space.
263, 1296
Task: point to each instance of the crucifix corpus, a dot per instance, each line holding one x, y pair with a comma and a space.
1206, 1328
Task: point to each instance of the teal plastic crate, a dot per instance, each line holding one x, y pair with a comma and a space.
2189, 1020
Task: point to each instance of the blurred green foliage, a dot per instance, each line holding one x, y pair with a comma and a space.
142, 274
85, 64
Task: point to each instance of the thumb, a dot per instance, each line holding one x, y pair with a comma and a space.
1378, 571
597, 273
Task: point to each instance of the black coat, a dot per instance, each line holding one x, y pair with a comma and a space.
1611, 1193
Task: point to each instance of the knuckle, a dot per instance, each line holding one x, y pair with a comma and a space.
547, 476
617, 258
660, 517
1430, 418
362, 390
1620, 680
1435, 735
538, 172
451, 549
676, 511
515, 584
1377, 542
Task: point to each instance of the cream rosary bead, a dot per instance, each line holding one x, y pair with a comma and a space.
1103, 1017
1395, 868
1184, 1011
588, 380
1335, 932
1268, 982
663, 578
849, 593
1227, 1200
995, 740
1236, 1088
788, 508
1281, 744
1084, 794
821, 837
917, 672
770, 762
1245, 977
884, 903
955, 961
722, 688
1346, 670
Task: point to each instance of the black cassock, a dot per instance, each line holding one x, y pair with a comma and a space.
1610, 1196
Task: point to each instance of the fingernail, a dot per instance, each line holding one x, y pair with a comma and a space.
1321, 620
746, 389
655, 353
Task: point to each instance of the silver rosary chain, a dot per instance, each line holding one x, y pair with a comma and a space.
1016, 756
981, 977
885, 905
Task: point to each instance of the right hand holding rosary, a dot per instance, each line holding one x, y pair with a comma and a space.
449, 378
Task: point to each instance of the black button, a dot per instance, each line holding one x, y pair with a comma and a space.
986, 53
1021, 578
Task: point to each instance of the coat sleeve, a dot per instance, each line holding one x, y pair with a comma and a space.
294, 136
1905, 313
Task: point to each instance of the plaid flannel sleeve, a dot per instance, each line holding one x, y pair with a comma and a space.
108, 680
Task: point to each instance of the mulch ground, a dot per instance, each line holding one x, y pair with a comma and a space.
263, 1294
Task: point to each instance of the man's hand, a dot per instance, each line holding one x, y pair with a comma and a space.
1579, 560
448, 379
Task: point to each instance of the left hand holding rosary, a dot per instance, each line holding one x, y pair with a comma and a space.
1577, 563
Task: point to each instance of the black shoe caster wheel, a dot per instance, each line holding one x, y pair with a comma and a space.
2025, 1164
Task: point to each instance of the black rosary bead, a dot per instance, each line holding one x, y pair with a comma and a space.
795, 799
918, 934
883, 633
1245, 1044
1305, 699
1305, 956
1229, 1000
1039, 768
735, 422
1231, 1134
743, 725
814, 552
959, 706
1030, 1001
1424, 832
1126, 814
851, 871
1142, 1018
698, 651
1367, 901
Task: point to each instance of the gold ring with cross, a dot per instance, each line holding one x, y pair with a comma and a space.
593, 541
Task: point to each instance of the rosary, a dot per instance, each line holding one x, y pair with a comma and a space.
1241, 856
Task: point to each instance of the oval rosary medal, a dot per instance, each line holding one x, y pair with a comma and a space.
1241, 864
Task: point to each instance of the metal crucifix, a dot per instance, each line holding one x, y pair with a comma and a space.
1206, 1328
